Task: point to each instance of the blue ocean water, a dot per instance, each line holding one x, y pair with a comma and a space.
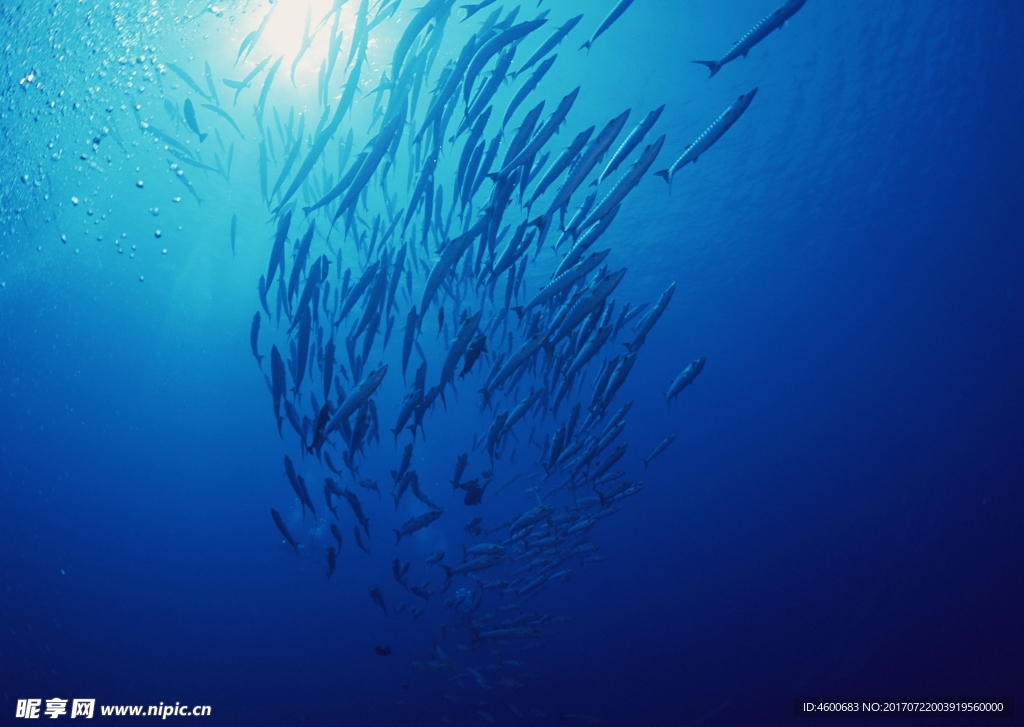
837, 519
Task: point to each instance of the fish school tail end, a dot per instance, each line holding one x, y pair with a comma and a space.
713, 66
202, 138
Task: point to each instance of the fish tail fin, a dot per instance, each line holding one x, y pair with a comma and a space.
646, 462
713, 66
202, 138
447, 572
519, 312
398, 535
586, 45
259, 361
665, 175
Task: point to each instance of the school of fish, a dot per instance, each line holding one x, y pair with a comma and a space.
435, 256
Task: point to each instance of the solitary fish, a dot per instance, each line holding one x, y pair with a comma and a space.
612, 16
254, 339
417, 523
183, 75
771, 22
684, 379
378, 598
709, 136
221, 112
662, 446
190, 119
332, 558
284, 530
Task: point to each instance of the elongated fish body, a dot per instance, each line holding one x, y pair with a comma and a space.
188, 80
561, 163
284, 530
411, 325
263, 172
302, 349
458, 347
618, 377
590, 158
522, 408
190, 119
449, 257
380, 147
299, 485
361, 393
239, 86
359, 540
613, 15
300, 260
565, 281
650, 319
428, 12
249, 42
368, 276
471, 566
661, 447
265, 91
626, 184
630, 142
492, 47
550, 44
592, 346
254, 339
527, 88
396, 277
685, 378
417, 523
277, 253
357, 509
343, 184
262, 290
588, 238
768, 24
277, 383
531, 517
586, 304
497, 78
328, 367
545, 133
709, 136
440, 101
293, 154
477, 347
523, 354
225, 115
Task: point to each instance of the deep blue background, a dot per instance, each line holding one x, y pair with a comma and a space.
840, 516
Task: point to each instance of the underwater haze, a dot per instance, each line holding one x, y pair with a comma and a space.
414, 362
